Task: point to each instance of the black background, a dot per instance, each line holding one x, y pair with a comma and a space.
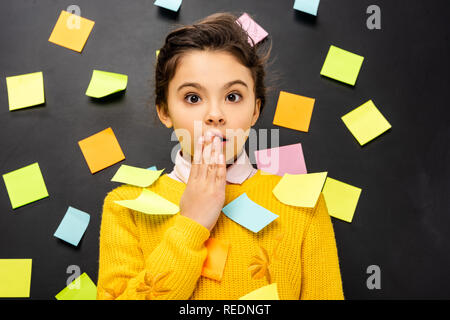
402, 219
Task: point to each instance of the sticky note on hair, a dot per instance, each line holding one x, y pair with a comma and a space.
25, 90
71, 31
105, 83
366, 122
216, 258
281, 160
269, 292
82, 288
342, 65
300, 190
72, 226
293, 111
248, 214
341, 199
307, 6
172, 5
136, 176
15, 278
254, 30
25, 185
150, 202
101, 150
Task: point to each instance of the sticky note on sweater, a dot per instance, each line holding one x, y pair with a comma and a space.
216, 258
269, 292
281, 160
150, 202
136, 176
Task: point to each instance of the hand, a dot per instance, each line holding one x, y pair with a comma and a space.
204, 196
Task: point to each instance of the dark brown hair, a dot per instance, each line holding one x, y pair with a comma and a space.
219, 31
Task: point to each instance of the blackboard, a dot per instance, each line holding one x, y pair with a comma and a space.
402, 218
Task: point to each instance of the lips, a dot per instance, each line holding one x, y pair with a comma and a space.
219, 134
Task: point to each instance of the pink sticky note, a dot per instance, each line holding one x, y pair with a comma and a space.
281, 160
254, 30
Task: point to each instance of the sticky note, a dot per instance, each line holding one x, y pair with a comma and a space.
281, 160
105, 83
269, 292
25, 90
300, 190
72, 226
101, 150
173, 5
293, 111
152, 168
15, 278
254, 30
342, 65
71, 31
150, 202
366, 122
82, 288
248, 214
25, 185
308, 6
341, 199
216, 258
157, 53
136, 176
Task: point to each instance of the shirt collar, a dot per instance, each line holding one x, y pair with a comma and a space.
237, 172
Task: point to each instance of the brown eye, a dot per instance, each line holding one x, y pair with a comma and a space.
234, 97
192, 98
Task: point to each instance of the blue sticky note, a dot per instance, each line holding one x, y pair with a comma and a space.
72, 226
248, 213
173, 5
152, 168
308, 6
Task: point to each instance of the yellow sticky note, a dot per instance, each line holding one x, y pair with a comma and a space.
293, 111
216, 258
15, 278
342, 65
136, 176
341, 199
300, 190
101, 150
25, 90
82, 288
104, 83
157, 53
150, 203
269, 292
71, 31
366, 122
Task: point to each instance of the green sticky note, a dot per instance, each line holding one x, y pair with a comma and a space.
366, 122
150, 202
342, 65
341, 199
25, 90
105, 83
82, 288
136, 176
15, 278
25, 185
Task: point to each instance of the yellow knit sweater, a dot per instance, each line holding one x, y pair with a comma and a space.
161, 257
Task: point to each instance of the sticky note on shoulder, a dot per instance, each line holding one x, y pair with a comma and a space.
82, 288
366, 122
248, 214
342, 65
136, 176
341, 199
104, 83
72, 226
71, 31
293, 111
255, 31
150, 202
25, 90
15, 278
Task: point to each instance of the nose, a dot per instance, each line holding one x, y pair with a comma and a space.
215, 115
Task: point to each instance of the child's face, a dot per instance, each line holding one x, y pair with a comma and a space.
211, 90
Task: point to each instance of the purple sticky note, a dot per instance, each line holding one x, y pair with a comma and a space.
254, 30
281, 160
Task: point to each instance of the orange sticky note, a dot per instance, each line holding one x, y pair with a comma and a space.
71, 31
293, 111
215, 260
101, 150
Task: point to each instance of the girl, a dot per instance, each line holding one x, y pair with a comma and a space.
210, 86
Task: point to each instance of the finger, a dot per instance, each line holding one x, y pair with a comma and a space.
221, 172
214, 160
203, 170
197, 158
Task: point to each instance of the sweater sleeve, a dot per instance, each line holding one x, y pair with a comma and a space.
170, 271
321, 278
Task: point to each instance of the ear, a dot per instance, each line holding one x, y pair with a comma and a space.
256, 112
163, 116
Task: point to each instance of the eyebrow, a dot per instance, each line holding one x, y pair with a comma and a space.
199, 87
